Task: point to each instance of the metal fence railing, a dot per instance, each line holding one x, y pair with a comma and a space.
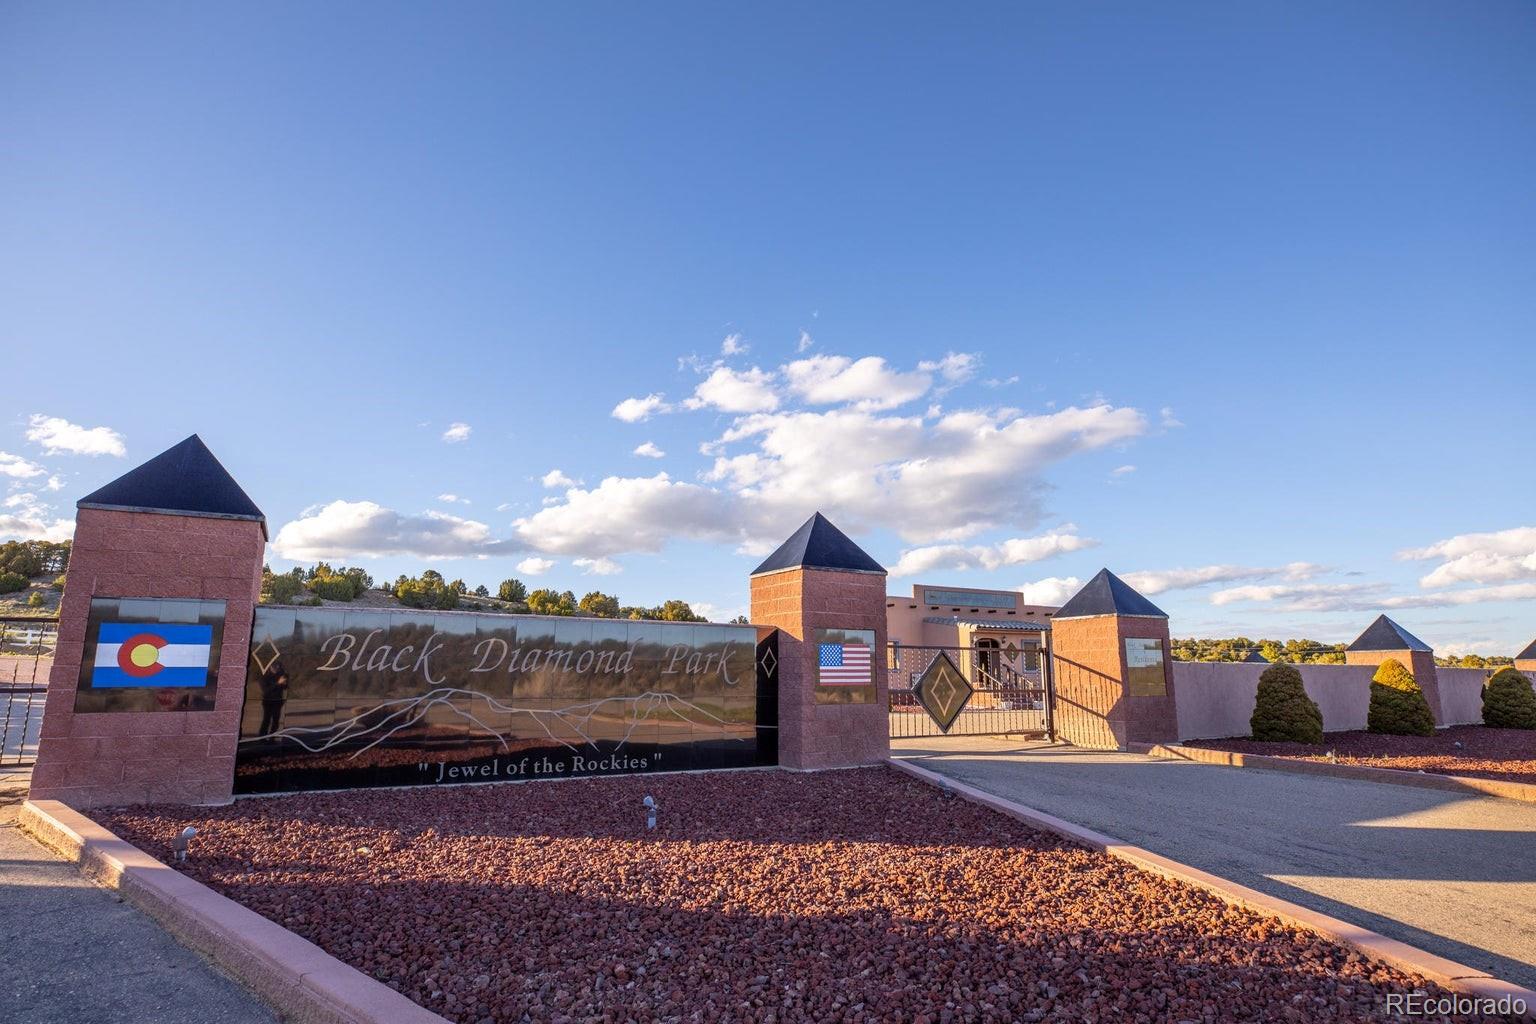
1009, 692
26, 658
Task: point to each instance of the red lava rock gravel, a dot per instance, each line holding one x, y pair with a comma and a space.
856, 895
1485, 753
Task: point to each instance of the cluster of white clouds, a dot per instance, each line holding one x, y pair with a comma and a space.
821, 431
25, 513
987, 557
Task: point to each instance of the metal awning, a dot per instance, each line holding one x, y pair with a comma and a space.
1020, 625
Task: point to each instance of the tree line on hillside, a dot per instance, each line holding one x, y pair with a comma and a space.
1296, 652
22, 561
324, 582
1301, 652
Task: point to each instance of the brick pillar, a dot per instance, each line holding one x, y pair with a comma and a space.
1103, 697
1420, 663
94, 757
1385, 639
799, 601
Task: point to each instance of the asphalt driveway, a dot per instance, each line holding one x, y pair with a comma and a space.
76, 954
1451, 874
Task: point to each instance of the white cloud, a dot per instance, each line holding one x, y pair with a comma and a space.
1474, 595
452, 499
955, 367
866, 383
1480, 557
735, 391
30, 527
1157, 581
18, 468
345, 529
33, 519
597, 566
637, 410
1122, 470
805, 342
931, 481
1053, 591
1016, 551
534, 566
629, 514
55, 484
57, 435
650, 451
1166, 419
457, 433
556, 478
733, 345
1000, 382
1306, 597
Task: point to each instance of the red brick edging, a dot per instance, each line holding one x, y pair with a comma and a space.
1447, 973
290, 973
1523, 791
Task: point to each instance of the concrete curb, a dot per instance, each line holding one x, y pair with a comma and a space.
1522, 791
294, 976
1447, 973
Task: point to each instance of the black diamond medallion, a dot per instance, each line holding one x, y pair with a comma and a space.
943, 691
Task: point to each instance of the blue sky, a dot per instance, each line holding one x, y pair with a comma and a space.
1280, 259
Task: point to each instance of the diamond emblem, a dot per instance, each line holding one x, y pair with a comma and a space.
768, 662
943, 691
264, 654
1011, 650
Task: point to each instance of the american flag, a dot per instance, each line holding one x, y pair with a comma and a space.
844, 664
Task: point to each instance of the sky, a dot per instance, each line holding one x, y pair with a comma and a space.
1238, 301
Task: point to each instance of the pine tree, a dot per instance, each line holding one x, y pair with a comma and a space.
1282, 711
1398, 706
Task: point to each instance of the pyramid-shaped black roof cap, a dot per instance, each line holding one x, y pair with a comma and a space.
1107, 594
819, 545
184, 480
1386, 635
1529, 652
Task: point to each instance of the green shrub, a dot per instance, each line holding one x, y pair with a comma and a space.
333, 588
1283, 712
58, 583
283, 589
1508, 701
36, 600
1398, 706
10, 582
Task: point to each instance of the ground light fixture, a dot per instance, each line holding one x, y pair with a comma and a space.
182, 840
649, 803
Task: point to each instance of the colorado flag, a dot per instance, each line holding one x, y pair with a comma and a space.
152, 654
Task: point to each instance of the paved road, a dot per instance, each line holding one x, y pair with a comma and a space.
1451, 874
71, 953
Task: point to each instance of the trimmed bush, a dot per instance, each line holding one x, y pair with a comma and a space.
1508, 701
1398, 707
1282, 711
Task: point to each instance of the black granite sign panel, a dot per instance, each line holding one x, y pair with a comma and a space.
341, 698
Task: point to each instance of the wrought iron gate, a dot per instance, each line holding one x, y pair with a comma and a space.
26, 656
968, 691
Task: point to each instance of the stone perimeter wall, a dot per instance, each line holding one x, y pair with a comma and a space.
1215, 699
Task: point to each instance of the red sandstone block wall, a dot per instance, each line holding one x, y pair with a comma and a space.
146, 757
